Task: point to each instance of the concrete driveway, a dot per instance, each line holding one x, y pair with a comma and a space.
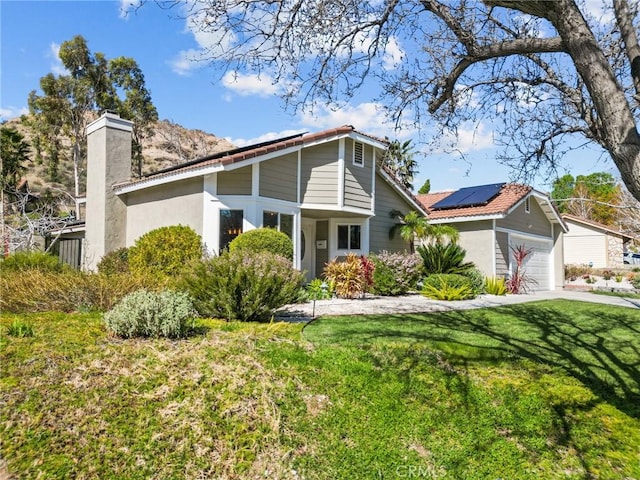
418, 304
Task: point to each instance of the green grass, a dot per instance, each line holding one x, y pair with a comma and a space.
542, 390
617, 294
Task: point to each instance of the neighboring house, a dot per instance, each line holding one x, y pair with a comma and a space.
494, 218
322, 189
591, 243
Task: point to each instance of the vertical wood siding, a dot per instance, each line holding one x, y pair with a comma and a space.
502, 254
322, 255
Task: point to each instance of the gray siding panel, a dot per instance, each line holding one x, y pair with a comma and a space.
278, 178
535, 222
502, 254
357, 179
235, 182
387, 199
319, 176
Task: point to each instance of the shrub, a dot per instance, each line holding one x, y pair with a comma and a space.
635, 281
144, 313
395, 273
447, 287
71, 290
574, 271
476, 278
495, 286
165, 251
347, 277
607, 274
263, 240
242, 285
115, 262
444, 258
23, 261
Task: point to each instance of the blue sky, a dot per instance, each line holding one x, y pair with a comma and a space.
195, 95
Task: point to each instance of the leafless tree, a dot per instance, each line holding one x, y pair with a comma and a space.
542, 71
28, 219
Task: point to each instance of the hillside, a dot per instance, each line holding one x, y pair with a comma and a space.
170, 145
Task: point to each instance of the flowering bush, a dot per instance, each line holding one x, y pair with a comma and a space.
396, 273
243, 286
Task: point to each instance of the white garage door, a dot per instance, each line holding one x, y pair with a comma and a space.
537, 265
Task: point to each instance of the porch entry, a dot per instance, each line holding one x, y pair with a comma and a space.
314, 247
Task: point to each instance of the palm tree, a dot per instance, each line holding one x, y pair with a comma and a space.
414, 226
399, 158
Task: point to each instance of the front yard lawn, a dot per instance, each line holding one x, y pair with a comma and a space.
540, 390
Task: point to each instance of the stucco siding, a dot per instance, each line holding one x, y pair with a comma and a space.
558, 257
178, 203
534, 223
235, 182
477, 239
319, 174
357, 179
387, 199
278, 178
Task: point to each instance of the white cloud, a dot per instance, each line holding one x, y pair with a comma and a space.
469, 138
127, 6
56, 64
186, 61
366, 117
393, 55
9, 112
249, 84
265, 137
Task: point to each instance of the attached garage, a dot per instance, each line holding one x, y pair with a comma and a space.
538, 264
493, 218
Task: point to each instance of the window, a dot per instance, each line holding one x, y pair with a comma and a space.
230, 226
527, 204
349, 237
358, 157
279, 221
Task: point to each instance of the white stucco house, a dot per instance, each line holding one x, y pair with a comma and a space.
325, 190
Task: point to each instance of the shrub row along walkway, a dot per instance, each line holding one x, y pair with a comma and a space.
420, 304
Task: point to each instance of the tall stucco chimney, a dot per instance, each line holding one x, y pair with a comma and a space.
108, 163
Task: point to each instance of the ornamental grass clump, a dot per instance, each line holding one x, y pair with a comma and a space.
244, 286
448, 286
152, 314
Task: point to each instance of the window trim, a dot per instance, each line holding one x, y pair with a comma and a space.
349, 226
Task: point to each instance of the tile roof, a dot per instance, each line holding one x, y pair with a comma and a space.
510, 194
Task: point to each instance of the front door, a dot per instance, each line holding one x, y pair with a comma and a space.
308, 248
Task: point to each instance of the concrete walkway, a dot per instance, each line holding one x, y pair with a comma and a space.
419, 304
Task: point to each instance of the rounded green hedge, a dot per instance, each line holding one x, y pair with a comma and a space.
165, 251
263, 240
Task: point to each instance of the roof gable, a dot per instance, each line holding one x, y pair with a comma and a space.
594, 225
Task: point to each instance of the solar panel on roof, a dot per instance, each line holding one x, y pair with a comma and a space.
469, 197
